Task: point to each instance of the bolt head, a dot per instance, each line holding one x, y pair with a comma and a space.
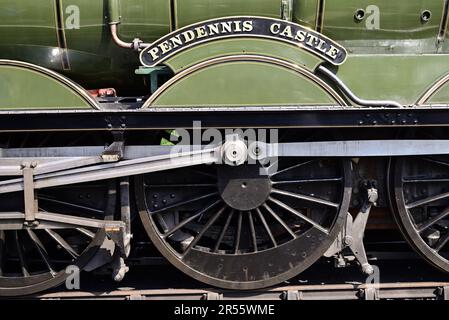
234, 152
367, 269
348, 240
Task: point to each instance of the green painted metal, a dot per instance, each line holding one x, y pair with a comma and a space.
143, 19
28, 23
394, 54
226, 47
28, 32
114, 15
243, 84
397, 19
189, 12
383, 26
305, 12
24, 88
403, 78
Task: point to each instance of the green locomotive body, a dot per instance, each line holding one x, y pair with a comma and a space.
73, 38
289, 122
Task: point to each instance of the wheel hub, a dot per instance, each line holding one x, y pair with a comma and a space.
245, 187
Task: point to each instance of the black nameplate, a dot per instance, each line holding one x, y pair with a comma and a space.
230, 27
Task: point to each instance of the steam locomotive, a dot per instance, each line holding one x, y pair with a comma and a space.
245, 139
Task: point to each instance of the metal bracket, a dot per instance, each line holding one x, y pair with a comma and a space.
30, 200
352, 235
443, 292
116, 150
287, 10
212, 296
136, 297
153, 73
371, 294
124, 244
292, 295
443, 26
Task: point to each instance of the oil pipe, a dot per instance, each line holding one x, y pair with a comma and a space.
115, 18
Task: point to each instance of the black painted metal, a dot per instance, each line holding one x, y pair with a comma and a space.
148, 119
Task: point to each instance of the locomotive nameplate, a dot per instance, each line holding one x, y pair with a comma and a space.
244, 26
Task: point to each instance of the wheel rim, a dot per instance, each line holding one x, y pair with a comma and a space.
232, 228
34, 260
422, 205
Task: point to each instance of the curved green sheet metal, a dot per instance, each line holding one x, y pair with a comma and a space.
243, 83
30, 87
441, 96
266, 47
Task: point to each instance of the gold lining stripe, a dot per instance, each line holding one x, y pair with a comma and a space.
433, 89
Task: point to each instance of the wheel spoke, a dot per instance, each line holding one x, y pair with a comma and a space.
41, 249
253, 230
71, 205
223, 231
198, 185
238, 233
190, 219
300, 215
203, 230
424, 180
23, 266
293, 167
442, 242
207, 174
183, 203
424, 229
60, 240
267, 227
86, 232
443, 163
434, 220
306, 198
308, 181
427, 200
278, 219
